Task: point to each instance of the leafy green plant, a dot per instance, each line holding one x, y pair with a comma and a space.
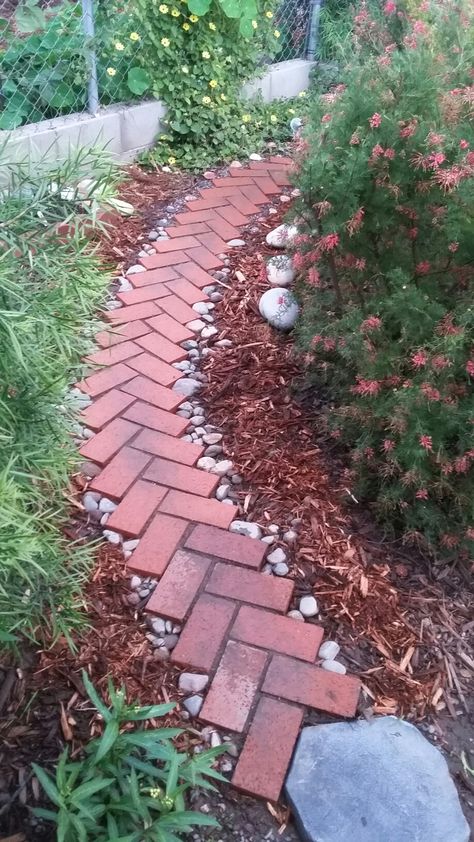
49, 291
385, 263
130, 785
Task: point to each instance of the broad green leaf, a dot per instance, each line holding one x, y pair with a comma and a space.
231, 8
246, 28
47, 783
107, 739
95, 698
138, 80
150, 712
199, 7
151, 739
89, 788
29, 18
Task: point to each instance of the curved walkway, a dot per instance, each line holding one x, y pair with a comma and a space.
261, 663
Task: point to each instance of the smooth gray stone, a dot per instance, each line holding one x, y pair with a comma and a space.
379, 781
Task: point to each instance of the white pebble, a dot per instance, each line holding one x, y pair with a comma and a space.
235, 243
297, 615
329, 650
308, 606
269, 539
243, 527
334, 666
206, 463
290, 537
222, 468
201, 308
209, 331
190, 682
278, 556
112, 537
222, 492
281, 569
135, 583
196, 325
107, 505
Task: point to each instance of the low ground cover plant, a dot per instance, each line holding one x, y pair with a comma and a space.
49, 291
385, 261
130, 784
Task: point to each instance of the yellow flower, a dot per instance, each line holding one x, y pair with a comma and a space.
165, 42
246, 118
302, 93
119, 46
276, 33
171, 160
213, 83
206, 100
134, 36
111, 71
291, 111
269, 15
212, 26
206, 54
186, 27
273, 118
193, 18
175, 13
254, 24
223, 97
163, 9
184, 69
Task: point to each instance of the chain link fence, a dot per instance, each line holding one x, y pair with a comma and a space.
59, 57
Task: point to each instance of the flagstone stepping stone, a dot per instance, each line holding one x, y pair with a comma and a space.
279, 307
280, 272
282, 236
373, 781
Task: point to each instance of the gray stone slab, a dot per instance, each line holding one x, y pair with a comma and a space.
379, 781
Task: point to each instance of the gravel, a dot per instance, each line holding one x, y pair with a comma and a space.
190, 682
308, 606
243, 527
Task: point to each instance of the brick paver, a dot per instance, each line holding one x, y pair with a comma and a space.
282, 634
261, 663
235, 685
177, 589
268, 748
204, 634
228, 545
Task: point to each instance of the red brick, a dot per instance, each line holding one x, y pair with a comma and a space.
170, 328
179, 586
187, 230
156, 419
232, 215
182, 477
205, 258
153, 276
267, 185
190, 217
239, 181
248, 586
281, 178
104, 380
162, 348
114, 354
157, 545
155, 369
158, 261
103, 410
281, 159
108, 442
151, 392
151, 292
224, 229
230, 698
255, 195
218, 192
198, 509
204, 633
169, 447
212, 242
145, 310
107, 338
206, 204
165, 246
196, 275
243, 205
119, 474
135, 510
282, 634
311, 686
178, 310
187, 291
242, 172
237, 548
267, 751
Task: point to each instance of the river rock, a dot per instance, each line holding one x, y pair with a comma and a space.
193, 704
243, 527
279, 307
282, 236
280, 272
308, 606
329, 650
190, 682
334, 666
372, 781
187, 386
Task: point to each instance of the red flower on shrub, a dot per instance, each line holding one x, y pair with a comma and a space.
390, 8
409, 129
388, 445
366, 387
375, 120
413, 233
419, 359
328, 242
464, 144
314, 278
470, 368
421, 494
355, 222
371, 323
429, 392
423, 268
326, 118
439, 362
453, 247
426, 442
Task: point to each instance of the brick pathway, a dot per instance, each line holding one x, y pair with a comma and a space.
261, 662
